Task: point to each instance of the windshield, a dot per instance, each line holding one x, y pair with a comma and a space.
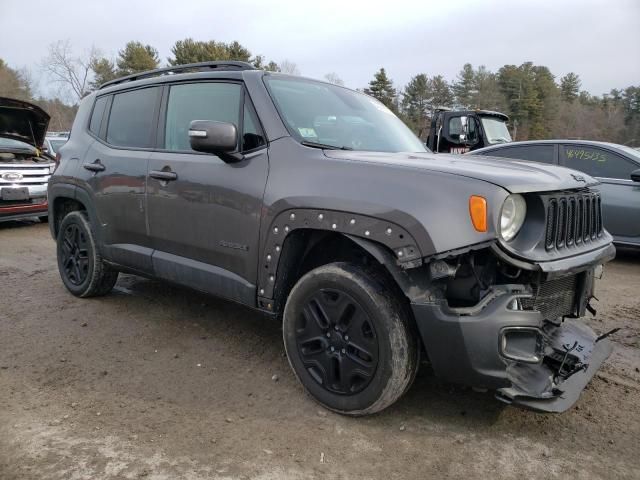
496, 130
321, 114
632, 152
11, 144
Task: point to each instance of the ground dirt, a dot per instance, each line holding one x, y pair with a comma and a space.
154, 381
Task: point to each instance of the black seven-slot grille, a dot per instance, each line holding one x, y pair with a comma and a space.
573, 220
553, 298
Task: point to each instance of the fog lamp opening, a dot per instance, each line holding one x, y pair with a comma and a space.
522, 344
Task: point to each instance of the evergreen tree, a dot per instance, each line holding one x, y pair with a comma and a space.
258, 62
441, 95
464, 87
570, 87
417, 100
548, 98
136, 57
104, 70
381, 87
487, 91
14, 84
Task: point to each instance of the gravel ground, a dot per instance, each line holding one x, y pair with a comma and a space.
154, 381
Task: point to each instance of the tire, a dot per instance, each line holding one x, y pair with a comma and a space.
359, 314
44, 219
81, 267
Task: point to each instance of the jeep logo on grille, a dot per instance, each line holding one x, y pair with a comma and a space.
11, 176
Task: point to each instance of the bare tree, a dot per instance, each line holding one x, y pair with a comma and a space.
289, 67
334, 78
72, 71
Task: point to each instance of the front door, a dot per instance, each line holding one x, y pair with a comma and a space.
204, 221
620, 195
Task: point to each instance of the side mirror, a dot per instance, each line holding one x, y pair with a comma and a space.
635, 175
465, 129
219, 138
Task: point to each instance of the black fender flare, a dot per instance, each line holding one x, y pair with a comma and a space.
384, 240
80, 195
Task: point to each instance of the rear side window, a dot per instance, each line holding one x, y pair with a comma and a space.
96, 116
596, 162
535, 153
199, 101
132, 120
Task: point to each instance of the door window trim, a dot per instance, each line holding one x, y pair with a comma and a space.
162, 117
102, 138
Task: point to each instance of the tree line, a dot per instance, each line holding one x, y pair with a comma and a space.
538, 104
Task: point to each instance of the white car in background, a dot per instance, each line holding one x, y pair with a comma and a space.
53, 141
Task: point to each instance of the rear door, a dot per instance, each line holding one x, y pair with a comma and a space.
620, 195
204, 223
115, 169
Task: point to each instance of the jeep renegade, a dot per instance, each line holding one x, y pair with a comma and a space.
315, 204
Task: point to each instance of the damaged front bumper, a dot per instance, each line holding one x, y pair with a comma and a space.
527, 359
575, 354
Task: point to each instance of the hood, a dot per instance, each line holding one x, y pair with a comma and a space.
23, 121
515, 176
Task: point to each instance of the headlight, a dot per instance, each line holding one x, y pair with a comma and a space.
514, 211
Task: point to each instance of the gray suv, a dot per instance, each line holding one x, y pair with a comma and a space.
316, 205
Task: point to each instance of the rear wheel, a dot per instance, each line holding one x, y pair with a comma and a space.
80, 265
349, 338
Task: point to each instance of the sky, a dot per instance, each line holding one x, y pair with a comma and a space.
597, 39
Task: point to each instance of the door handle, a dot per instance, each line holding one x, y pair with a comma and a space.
96, 166
163, 175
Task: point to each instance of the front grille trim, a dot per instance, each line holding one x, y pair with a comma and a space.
572, 219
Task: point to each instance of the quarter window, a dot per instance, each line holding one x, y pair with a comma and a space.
535, 153
131, 120
199, 101
251, 136
597, 162
96, 115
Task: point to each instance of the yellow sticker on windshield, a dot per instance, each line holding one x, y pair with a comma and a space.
308, 132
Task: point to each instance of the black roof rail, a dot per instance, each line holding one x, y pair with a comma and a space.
217, 65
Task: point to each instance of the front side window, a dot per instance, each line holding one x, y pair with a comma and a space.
597, 162
535, 153
131, 121
199, 101
322, 114
496, 130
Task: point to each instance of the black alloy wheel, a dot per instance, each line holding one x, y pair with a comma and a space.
80, 264
350, 337
337, 342
75, 258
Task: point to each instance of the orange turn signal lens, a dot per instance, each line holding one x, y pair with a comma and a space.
478, 212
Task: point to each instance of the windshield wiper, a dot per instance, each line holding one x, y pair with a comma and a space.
323, 146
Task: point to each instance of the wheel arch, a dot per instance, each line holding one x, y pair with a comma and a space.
304, 249
65, 198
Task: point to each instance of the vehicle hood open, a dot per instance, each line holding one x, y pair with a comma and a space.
23, 121
515, 176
